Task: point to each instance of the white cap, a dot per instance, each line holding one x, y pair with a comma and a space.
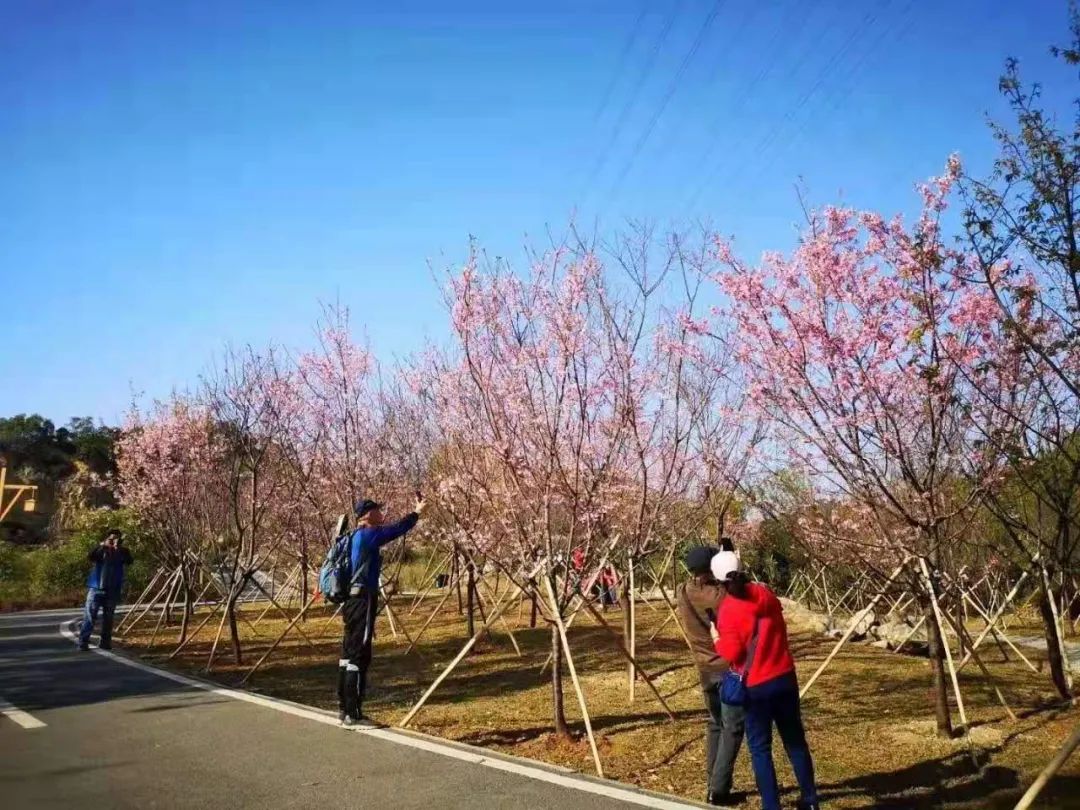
724, 564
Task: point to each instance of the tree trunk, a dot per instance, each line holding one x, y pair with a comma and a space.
535, 608
234, 632
1053, 651
558, 705
937, 671
457, 583
470, 598
185, 619
303, 579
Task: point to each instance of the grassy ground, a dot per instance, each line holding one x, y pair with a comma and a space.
869, 717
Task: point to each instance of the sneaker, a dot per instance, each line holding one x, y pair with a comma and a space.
349, 722
105, 645
341, 717
84, 646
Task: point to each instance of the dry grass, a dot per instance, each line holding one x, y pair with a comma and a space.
869, 717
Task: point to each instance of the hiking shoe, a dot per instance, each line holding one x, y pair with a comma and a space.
718, 799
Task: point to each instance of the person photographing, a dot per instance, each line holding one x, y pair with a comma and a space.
697, 601
103, 587
750, 634
362, 604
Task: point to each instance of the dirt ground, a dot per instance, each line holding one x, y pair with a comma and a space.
869, 717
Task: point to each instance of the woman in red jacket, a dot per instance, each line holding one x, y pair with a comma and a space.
772, 690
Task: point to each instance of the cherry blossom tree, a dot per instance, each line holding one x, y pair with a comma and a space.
846, 345
1022, 228
169, 462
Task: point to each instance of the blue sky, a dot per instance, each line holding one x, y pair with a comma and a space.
175, 176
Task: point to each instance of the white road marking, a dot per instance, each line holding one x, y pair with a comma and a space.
564, 777
24, 719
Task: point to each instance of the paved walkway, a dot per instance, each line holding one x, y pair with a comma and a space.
94, 730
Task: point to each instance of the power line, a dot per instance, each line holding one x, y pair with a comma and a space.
624, 114
736, 170
673, 86
709, 176
620, 65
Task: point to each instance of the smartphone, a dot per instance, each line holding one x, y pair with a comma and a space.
711, 615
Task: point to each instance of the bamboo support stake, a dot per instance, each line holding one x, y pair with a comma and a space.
284, 589
278, 641
996, 617
573, 674
1066, 750
961, 634
855, 621
998, 637
217, 638
914, 630
195, 632
496, 611
150, 605
626, 653
138, 602
944, 643
434, 613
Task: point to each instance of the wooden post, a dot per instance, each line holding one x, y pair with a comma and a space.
278, 641
495, 613
632, 641
1048, 772
619, 644
961, 634
434, 613
855, 621
944, 643
573, 674
914, 630
998, 637
994, 619
150, 605
195, 632
138, 602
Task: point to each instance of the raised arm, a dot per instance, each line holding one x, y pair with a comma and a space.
381, 535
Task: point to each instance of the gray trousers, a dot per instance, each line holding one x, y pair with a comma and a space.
725, 736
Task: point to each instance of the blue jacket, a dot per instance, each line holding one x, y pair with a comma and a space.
108, 571
367, 540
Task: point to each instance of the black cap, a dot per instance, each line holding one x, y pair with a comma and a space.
698, 558
365, 506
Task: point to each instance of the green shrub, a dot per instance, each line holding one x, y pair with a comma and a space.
55, 575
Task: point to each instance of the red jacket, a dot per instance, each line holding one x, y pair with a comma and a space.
735, 622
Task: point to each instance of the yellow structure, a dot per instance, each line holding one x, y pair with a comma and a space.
11, 493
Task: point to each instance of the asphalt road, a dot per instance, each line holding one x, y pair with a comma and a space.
114, 736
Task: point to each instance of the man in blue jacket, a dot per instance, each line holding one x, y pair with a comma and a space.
104, 585
360, 608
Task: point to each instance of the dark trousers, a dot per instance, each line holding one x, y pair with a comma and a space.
777, 702
722, 741
97, 601
358, 613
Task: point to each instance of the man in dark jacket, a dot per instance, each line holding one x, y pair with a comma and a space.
360, 608
698, 602
104, 585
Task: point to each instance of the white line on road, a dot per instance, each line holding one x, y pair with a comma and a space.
513, 765
24, 719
